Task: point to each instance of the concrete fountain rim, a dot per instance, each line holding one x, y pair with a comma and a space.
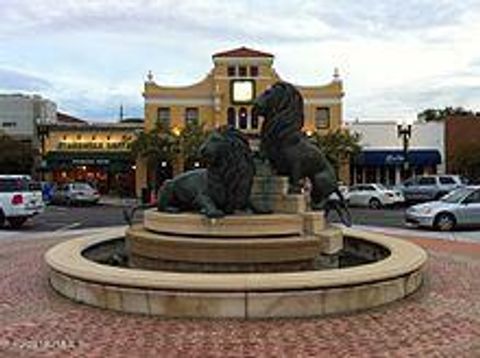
66, 259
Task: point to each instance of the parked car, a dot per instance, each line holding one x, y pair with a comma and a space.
20, 199
75, 193
430, 187
373, 195
461, 207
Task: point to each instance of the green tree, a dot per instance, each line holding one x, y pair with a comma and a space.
157, 145
435, 114
189, 141
338, 145
16, 157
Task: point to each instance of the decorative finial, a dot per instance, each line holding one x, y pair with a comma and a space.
150, 76
336, 75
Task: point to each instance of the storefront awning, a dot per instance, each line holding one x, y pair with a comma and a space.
115, 161
416, 157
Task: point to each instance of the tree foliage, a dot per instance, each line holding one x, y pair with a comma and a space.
338, 145
434, 114
16, 157
156, 145
189, 141
166, 144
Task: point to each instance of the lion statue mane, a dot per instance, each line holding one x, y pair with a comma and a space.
220, 188
290, 151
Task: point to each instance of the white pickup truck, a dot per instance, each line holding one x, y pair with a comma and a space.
20, 199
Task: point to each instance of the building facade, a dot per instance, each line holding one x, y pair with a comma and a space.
462, 145
383, 158
98, 153
225, 96
20, 114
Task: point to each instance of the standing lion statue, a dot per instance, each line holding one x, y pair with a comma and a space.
291, 153
220, 188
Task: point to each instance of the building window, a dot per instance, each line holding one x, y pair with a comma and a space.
9, 124
322, 117
243, 118
242, 71
254, 119
191, 115
79, 137
254, 71
93, 137
163, 116
64, 137
231, 71
231, 117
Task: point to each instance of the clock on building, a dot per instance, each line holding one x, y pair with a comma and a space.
242, 91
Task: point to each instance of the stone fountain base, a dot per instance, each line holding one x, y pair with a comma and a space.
239, 295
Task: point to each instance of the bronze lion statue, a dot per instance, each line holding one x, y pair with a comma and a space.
220, 188
290, 151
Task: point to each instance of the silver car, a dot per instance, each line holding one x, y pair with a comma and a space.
75, 193
461, 207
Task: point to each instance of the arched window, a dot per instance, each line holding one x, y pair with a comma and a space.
243, 118
254, 119
231, 117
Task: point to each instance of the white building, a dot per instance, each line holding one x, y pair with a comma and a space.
20, 114
383, 157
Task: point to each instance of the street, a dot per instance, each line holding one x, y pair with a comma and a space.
62, 218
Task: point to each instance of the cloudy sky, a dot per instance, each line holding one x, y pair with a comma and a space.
395, 57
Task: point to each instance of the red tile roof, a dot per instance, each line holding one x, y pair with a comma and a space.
242, 52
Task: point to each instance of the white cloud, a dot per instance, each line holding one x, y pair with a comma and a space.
395, 57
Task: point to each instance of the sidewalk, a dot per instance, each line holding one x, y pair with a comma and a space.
442, 319
463, 235
116, 201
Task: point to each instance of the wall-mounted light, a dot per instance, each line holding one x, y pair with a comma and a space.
163, 164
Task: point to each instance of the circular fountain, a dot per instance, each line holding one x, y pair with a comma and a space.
287, 264
188, 259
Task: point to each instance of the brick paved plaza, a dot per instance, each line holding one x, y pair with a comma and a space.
442, 319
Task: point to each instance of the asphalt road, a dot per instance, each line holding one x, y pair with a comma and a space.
61, 218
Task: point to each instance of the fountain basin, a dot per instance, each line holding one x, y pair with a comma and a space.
240, 295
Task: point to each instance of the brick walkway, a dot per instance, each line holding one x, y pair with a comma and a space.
441, 320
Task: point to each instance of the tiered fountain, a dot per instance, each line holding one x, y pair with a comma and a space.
288, 262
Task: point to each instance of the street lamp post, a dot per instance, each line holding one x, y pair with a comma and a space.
405, 132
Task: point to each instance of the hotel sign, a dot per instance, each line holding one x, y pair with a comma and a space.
94, 146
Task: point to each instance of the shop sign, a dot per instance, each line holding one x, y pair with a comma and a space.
90, 161
394, 158
93, 146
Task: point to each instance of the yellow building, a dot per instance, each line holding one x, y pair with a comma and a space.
225, 96
98, 153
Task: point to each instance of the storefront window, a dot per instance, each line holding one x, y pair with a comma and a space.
242, 71
322, 117
243, 118
164, 116
191, 115
231, 117
231, 71
254, 119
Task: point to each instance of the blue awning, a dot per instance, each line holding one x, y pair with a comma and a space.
416, 157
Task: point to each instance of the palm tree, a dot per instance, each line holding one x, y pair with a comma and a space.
189, 141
